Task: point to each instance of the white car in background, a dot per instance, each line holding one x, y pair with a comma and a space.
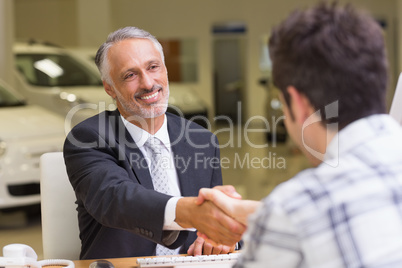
26, 133
51, 77
183, 101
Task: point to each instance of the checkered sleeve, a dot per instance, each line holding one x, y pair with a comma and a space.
271, 240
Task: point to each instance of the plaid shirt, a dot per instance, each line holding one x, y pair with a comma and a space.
343, 215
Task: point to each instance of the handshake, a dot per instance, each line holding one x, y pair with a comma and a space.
219, 215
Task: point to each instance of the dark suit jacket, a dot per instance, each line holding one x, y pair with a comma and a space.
119, 213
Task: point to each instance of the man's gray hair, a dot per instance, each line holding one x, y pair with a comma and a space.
129, 32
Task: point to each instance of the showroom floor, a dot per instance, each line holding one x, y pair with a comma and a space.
252, 170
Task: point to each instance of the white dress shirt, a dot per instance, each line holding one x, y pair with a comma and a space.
140, 136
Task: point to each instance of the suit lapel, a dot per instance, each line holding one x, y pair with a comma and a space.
130, 152
182, 151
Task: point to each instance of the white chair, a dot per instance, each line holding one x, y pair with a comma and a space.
60, 234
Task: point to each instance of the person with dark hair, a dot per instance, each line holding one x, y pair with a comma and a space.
136, 171
329, 63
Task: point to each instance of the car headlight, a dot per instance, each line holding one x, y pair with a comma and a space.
72, 99
3, 147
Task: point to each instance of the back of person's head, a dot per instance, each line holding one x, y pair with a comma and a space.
129, 32
331, 53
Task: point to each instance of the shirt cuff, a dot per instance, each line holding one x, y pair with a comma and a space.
170, 216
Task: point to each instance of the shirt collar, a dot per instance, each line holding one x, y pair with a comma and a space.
359, 131
140, 136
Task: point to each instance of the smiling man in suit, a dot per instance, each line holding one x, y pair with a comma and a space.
123, 210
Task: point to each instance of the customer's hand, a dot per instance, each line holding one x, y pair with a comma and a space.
209, 220
227, 199
202, 247
229, 190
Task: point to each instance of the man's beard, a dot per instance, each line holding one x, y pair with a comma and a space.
147, 110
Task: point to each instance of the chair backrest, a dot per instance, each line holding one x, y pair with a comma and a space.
60, 232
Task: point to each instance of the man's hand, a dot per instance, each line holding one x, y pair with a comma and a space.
209, 220
227, 199
229, 190
201, 247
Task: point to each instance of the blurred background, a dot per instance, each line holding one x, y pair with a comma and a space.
219, 74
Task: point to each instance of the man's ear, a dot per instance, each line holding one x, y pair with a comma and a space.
109, 89
299, 104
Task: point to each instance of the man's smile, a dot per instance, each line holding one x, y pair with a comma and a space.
152, 97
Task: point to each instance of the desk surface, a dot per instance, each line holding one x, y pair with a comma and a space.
118, 262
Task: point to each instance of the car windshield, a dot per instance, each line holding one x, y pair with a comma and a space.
7, 99
55, 70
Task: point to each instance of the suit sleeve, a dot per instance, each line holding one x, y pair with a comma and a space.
107, 188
